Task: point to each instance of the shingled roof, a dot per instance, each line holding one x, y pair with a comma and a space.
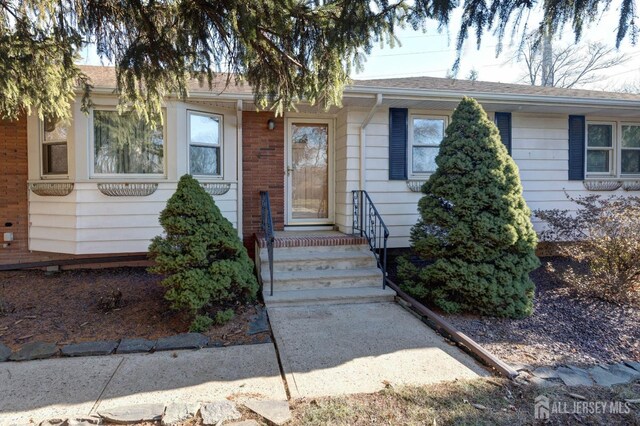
104, 78
468, 86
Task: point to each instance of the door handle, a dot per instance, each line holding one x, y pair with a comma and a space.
289, 170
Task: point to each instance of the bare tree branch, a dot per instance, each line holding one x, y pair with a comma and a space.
572, 65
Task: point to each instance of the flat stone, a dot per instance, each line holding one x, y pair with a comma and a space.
249, 422
89, 348
545, 373
219, 411
623, 370
179, 412
572, 377
542, 383
133, 413
84, 421
5, 353
608, 378
54, 422
259, 323
275, 411
35, 350
633, 364
129, 346
263, 338
578, 369
182, 341
521, 367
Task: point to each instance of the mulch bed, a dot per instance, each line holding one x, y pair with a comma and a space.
68, 307
566, 328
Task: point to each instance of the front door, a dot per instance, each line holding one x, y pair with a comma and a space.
309, 182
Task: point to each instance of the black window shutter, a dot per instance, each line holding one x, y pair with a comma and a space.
503, 122
576, 147
398, 130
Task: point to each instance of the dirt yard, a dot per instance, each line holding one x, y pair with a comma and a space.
565, 328
78, 305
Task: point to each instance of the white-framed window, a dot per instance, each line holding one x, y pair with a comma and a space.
123, 144
613, 149
425, 135
630, 149
205, 143
54, 148
600, 148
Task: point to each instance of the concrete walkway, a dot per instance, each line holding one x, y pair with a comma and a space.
67, 387
325, 350
340, 349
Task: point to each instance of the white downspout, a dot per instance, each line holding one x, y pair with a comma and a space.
239, 215
363, 142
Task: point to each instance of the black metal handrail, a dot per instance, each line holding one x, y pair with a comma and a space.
266, 223
368, 223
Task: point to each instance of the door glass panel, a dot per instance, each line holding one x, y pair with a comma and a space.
310, 172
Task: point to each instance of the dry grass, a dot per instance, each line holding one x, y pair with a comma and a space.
488, 401
477, 402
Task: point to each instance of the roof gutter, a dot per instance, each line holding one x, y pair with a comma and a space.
363, 142
223, 97
448, 95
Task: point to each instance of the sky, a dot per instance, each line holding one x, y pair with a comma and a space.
432, 53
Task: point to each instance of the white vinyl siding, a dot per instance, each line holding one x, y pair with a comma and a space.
88, 222
540, 148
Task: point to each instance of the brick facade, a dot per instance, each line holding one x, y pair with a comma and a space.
13, 189
262, 170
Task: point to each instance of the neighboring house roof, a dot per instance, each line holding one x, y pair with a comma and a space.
104, 78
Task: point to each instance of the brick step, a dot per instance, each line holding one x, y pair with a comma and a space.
328, 296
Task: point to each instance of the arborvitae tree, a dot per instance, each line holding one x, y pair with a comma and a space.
200, 253
474, 225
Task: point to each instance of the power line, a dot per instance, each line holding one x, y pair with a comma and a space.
421, 52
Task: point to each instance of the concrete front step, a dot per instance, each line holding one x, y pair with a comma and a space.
333, 296
309, 260
335, 278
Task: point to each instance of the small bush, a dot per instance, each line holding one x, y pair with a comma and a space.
474, 224
200, 324
603, 236
223, 317
200, 253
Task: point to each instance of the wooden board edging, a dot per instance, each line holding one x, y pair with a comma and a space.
444, 327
